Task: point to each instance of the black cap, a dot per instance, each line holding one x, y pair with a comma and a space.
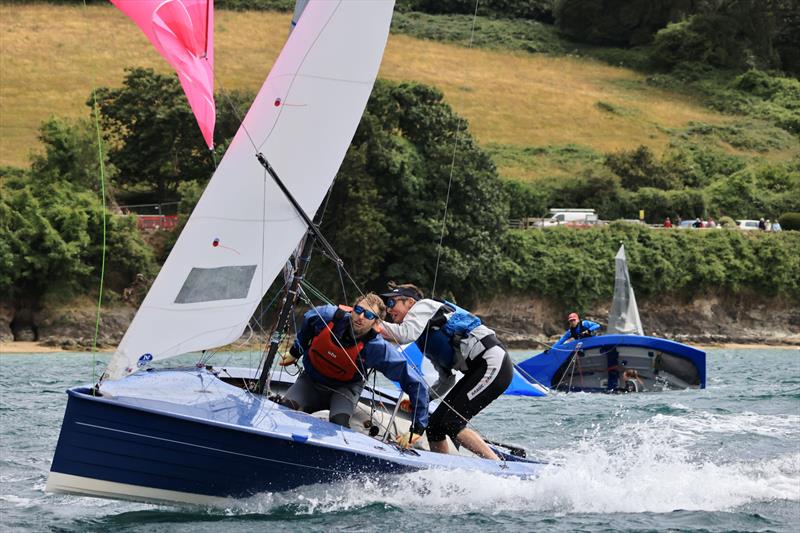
402, 292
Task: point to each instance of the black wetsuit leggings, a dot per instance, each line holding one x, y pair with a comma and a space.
487, 377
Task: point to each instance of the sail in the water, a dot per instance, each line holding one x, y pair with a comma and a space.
244, 228
624, 315
182, 31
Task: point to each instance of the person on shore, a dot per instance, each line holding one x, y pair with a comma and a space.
667, 223
339, 345
762, 225
453, 339
578, 329
697, 223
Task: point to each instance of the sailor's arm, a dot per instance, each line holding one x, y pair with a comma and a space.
591, 326
413, 324
564, 338
382, 356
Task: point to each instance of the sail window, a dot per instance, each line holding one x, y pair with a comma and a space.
212, 284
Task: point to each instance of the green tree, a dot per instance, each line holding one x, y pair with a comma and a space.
640, 168
387, 205
51, 223
619, 22
153, 136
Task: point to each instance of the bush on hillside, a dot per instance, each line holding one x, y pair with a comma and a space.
726, 222
738, 35
617, 22
51, 223
790, 221
541, 10
576, 267
658, 204
640, 168
599, 189
515, 34
759, 190
526, 199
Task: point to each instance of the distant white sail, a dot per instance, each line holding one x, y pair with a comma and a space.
299, 7
243, 229
624, 315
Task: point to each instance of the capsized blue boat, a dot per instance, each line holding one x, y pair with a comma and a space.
606, 364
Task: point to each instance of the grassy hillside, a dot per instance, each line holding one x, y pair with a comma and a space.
53, 55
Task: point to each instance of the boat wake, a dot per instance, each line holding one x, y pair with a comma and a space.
643, 467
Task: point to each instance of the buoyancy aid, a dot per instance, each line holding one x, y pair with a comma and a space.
331, 359
443, 334
580, 332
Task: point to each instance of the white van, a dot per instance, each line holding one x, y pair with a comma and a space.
572, 217
747, 224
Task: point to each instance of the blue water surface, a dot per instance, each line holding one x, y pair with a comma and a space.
721, 459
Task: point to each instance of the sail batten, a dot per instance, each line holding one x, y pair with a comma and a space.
312, 100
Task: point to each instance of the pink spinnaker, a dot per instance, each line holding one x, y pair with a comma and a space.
182, 31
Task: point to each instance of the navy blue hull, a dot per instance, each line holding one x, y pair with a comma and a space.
193, 435
114, 443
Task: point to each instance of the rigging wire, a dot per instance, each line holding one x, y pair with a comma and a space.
452, 165
101, 162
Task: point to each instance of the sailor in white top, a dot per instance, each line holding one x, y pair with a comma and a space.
453, 339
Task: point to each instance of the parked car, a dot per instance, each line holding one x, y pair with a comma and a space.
571, 217
747, 224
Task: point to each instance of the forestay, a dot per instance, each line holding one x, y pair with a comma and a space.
624, 315
243, 229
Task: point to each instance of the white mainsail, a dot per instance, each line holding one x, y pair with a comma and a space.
243, 229
624, 315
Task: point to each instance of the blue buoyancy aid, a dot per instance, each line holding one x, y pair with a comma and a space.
444, 332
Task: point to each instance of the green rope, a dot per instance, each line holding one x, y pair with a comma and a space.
315, 292
96, 115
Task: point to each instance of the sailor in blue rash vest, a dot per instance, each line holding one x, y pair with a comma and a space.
453, 339
339, 345
578, 329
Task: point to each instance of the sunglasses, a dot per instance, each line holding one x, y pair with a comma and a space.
369, 315
392, 301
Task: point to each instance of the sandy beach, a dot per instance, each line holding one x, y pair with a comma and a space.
22, 347
18, 347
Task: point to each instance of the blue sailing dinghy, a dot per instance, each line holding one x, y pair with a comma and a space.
202, 435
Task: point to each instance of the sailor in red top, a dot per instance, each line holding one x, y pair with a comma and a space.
338, 347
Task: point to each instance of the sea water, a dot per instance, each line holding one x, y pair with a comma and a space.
720, 459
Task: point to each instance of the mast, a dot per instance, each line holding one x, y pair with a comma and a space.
301, 265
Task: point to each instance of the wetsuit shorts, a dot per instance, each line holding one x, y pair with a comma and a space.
308, 396
486, 378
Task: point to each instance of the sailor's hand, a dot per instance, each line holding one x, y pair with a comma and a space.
405, 405
287, 359
407, 440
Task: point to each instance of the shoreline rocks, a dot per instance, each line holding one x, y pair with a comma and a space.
520, 322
